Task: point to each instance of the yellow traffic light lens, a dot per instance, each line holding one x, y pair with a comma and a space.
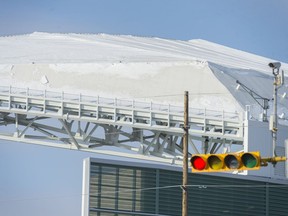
215, 162
232, 162
249, 160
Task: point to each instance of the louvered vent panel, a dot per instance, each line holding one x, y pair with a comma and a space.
148, 191
278, 195
215, 196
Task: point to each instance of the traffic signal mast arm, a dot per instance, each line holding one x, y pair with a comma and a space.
273, 160
230, 162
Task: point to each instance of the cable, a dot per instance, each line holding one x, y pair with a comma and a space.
191, 186
199, 186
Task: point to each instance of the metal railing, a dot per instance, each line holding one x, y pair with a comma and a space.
116, 102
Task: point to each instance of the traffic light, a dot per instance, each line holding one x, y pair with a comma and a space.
225, 162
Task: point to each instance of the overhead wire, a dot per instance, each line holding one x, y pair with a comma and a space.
198, 186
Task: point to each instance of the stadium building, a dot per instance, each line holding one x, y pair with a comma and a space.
122, 97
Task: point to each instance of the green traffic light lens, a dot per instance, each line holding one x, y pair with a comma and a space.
232, 162
249, 160
215, 162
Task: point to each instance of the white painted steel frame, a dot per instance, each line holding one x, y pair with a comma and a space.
87, 123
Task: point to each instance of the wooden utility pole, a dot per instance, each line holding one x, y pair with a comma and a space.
185, 156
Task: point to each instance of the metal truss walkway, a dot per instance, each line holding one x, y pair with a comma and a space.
102, 125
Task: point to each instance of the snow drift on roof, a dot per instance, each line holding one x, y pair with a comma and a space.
90, 48
137, 67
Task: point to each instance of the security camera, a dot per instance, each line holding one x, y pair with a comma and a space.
275, 65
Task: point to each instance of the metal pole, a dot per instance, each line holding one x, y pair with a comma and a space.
185, 157
275, 125
278, 82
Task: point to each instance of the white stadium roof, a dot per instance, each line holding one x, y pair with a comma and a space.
139, 68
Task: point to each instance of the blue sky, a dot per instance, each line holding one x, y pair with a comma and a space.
256, 26
44, 181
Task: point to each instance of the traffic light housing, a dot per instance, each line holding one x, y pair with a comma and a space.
225, 162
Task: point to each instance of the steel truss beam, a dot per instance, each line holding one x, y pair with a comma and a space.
93, 124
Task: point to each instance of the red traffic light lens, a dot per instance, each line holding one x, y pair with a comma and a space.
198, 163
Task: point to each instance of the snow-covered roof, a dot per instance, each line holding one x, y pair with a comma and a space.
92, 48
137, 67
